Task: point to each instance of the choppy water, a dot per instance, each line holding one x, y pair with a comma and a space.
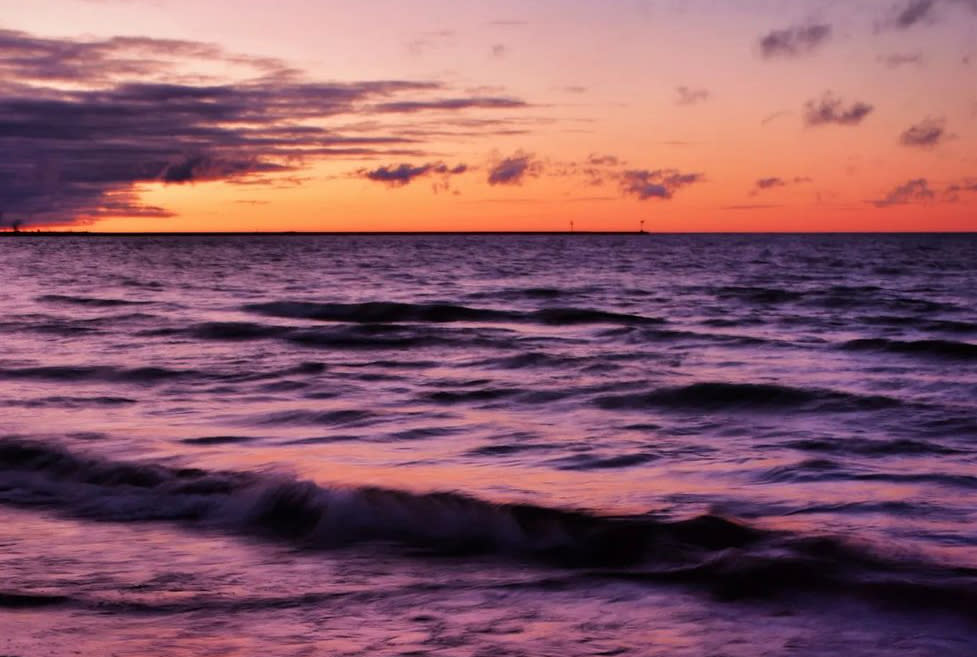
474, 445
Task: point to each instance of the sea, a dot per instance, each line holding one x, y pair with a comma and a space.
488, 445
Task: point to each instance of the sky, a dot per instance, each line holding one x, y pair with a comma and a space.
538, 115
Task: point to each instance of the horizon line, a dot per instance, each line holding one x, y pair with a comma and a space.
163, 233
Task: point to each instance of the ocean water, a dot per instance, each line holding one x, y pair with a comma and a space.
488, 445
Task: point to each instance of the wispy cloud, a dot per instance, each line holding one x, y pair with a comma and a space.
773, 116
911, 191
690, 96
403, 174
773, 182
661, 183
925, 134
898, 60
967, 186
449, 104
794, 41
830, 109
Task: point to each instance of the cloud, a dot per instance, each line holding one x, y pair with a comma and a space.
769, 118
603, 160
896, 60
909, 13
449, 104
830, 109
427, 41
511, 170
661, 183
763, 184
498, 50
403, 174
769, 183
913, 12
687, 96
966, 186
911, 191
131, 118
794, 41
925, 134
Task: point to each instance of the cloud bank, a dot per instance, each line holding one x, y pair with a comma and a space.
86, 124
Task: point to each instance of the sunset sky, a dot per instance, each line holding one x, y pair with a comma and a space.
693, 115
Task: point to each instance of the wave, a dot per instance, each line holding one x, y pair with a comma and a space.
821, 469
236, 331
61, 401
377, 312
68, 373
757, 295
218, 440
948, 349
867, 447
722, 555
388, 312
925, 324
745, 396
89, 301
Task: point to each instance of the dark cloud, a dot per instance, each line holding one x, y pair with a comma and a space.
403, 174
662, 183
794, 41
770, 183
913, 12
829, 109
925, 134
511, 170
689, 96
909, 13
197, 168
449, 104
77, 152
911, 191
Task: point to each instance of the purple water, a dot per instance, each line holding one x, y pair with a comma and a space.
474, 445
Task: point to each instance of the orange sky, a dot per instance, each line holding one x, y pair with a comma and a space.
382, 115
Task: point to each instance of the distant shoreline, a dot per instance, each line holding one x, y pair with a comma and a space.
54, 233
